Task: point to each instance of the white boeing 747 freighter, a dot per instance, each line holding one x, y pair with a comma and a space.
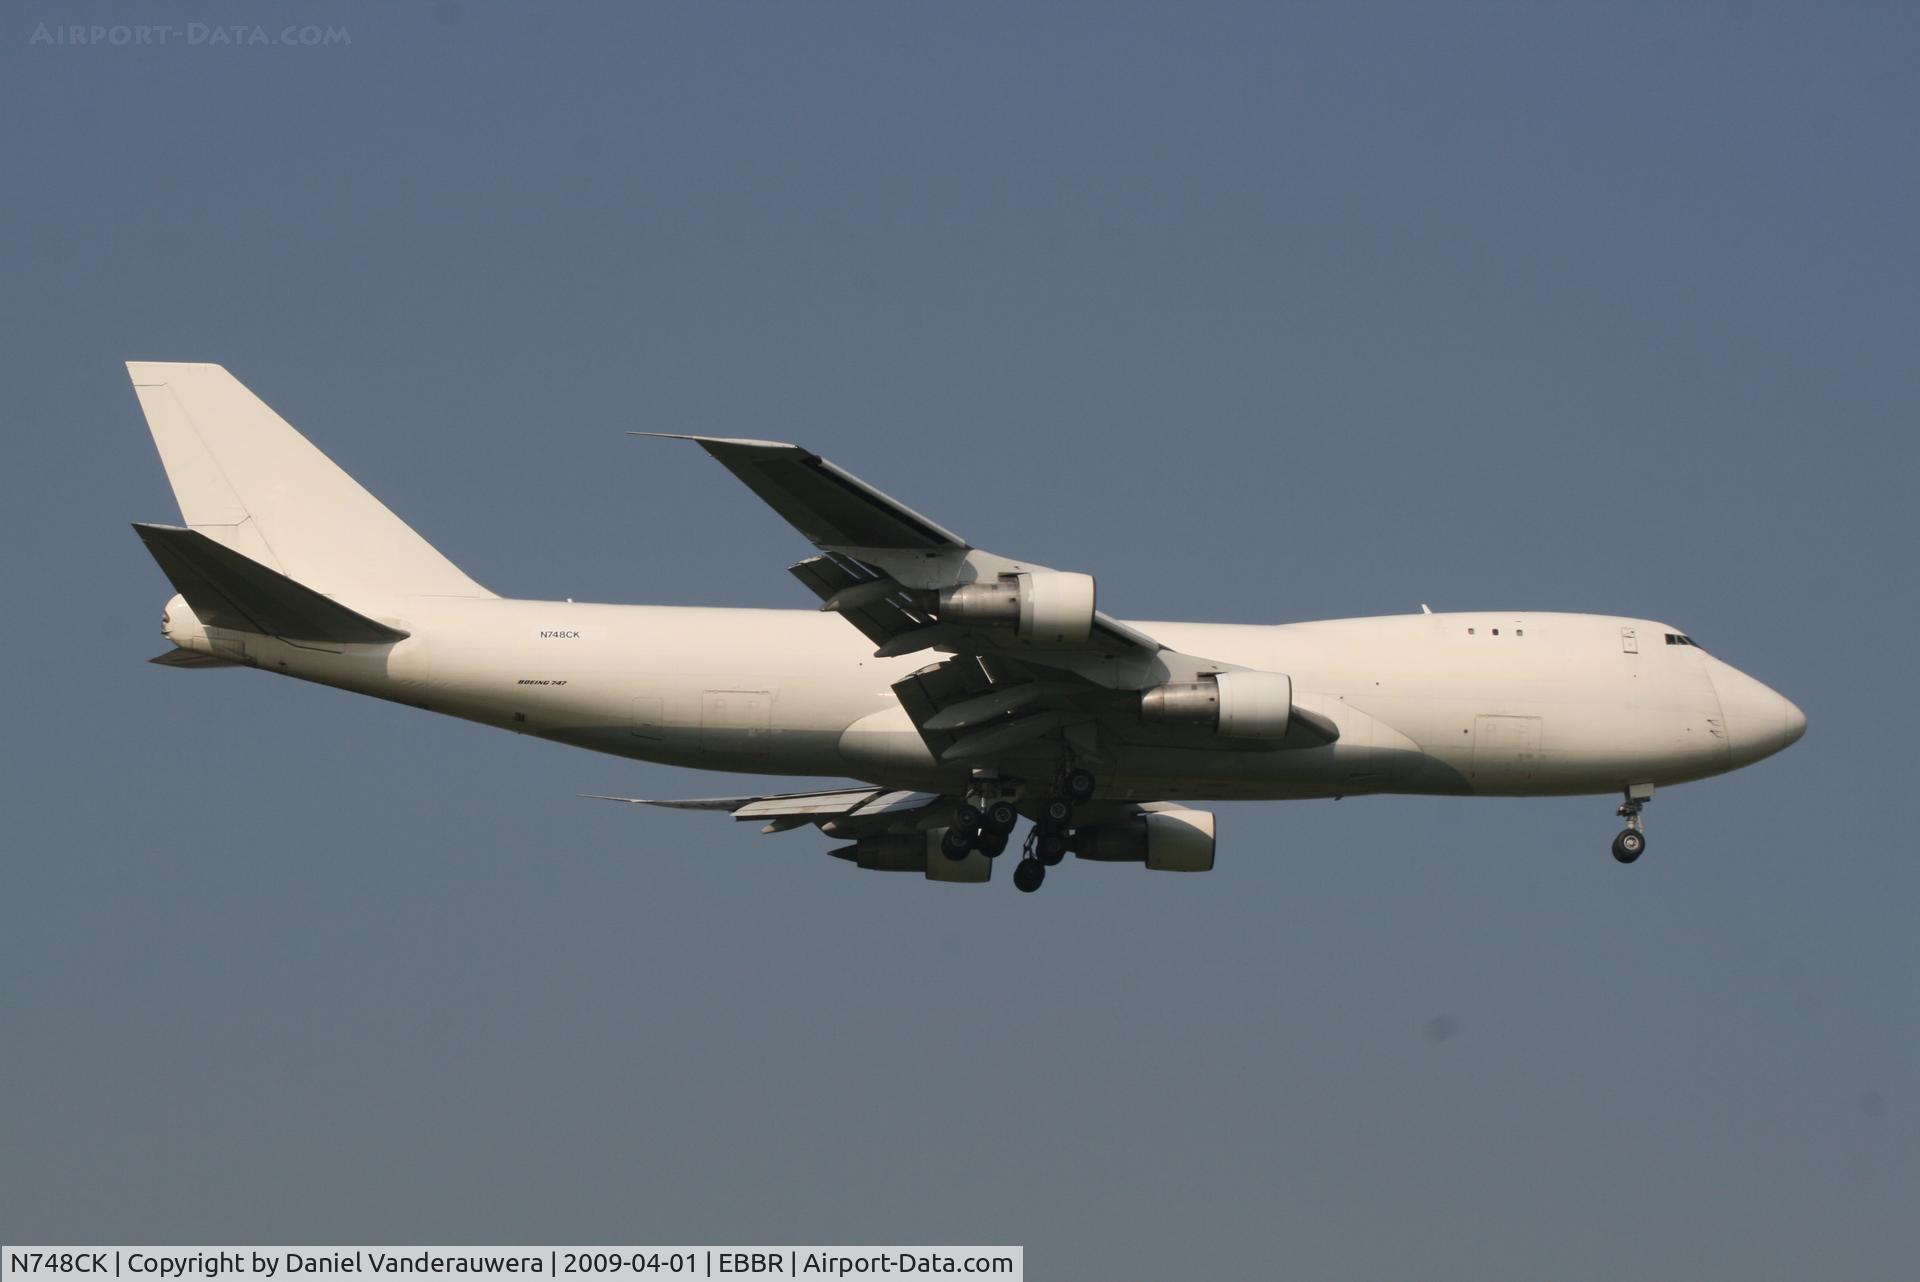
963, 690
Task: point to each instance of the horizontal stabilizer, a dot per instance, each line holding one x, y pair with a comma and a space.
228, 590
850, 811
762, 806
690, 803
192, 659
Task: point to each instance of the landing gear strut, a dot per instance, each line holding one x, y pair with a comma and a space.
1047, 842
1045, 847
1632, 840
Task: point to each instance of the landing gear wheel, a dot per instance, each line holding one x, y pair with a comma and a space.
1632, 840
1078, 785
956, 844
1056, 811
1000, 818
1050, 846
1028, 875
991, 844
967, 815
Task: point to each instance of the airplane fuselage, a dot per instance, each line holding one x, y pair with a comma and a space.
1495, 704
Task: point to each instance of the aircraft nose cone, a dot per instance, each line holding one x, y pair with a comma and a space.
1760, 720
1796, 721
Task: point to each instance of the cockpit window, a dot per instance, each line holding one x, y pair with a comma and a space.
1674, 638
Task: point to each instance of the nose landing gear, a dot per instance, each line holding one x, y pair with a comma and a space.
1632, 841
1628, 845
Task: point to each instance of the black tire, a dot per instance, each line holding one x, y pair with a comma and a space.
1050, 847
1001, 817
1056, 811
1078, 785
957, 844
967, 815
991, 844
1028, 875
1629, 845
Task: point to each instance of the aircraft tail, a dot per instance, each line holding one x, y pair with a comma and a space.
247, 480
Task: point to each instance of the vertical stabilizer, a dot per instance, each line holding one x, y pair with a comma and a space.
247, 480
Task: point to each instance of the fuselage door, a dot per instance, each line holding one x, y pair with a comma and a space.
737, 722
649, 718
1506, 751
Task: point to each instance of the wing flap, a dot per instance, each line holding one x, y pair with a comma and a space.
1007, 734
816, 803
994, 704
862, 595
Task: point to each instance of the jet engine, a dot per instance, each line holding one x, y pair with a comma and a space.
915, 852
1172, 839
1052, 606
1240, 705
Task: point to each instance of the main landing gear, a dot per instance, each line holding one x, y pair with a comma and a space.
1047, 843
979, 824
1632, 841
1046, 846
984, 819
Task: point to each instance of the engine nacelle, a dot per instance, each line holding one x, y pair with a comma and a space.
1051, 606
1171, 840
1240, 705
915, 852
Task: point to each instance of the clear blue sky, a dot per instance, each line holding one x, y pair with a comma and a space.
1260, 313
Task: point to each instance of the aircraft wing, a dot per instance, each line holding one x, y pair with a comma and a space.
884, 567
1033, 658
